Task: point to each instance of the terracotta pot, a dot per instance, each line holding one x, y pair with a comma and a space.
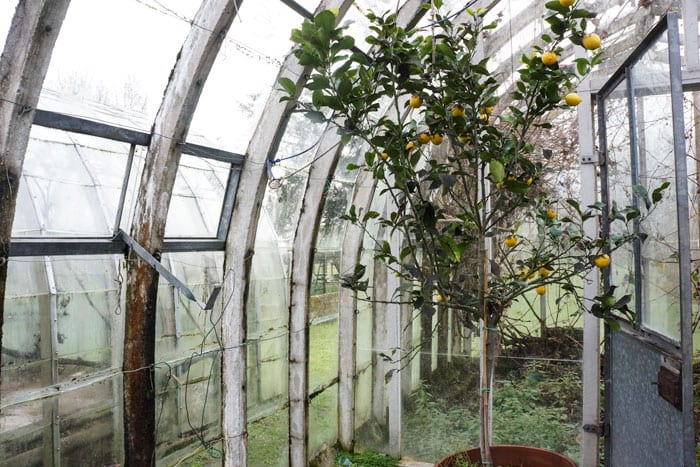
512, 456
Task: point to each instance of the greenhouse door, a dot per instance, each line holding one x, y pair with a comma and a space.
648, 361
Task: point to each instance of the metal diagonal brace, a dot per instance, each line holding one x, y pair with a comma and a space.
169, 276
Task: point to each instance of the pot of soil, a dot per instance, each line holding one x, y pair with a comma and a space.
508, 456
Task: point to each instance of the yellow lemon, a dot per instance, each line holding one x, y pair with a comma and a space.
591, 41
544, 272
510, 241
424, 138
458, 111
463, 138
541, 290
415, 101
529, 181
572, 99
602, 261
566, 2
436, 139
551, 213
549, 58
385, 155
410, 145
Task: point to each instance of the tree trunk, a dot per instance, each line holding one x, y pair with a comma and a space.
23, 65
170, 129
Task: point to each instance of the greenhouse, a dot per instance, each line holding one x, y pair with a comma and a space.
349, 233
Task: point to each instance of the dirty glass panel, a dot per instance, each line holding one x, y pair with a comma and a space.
182, 327
323, 421
26, 356
87, 297
619, 171
188, 408
63, 193
26, 433
90, 424
96, 60
659, 253
267, 439
195, 206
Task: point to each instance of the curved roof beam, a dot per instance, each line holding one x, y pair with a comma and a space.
170, 128
240, 249
23, 65
408, 16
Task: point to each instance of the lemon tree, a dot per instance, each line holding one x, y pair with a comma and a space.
420, 89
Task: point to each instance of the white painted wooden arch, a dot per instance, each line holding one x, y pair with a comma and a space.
239, 253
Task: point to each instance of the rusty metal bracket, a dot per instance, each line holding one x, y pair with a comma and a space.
167, 275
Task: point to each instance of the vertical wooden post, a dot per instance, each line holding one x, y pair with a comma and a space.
170, 128
591, 324
23, 65
300, 284
347, 325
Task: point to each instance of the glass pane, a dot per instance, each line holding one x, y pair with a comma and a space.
90, 424
243, 75
619, 168
323, 420
26, 433
94, 59
659, 253
26, 359
87, 297
197, 198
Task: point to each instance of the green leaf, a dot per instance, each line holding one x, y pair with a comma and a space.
581, 13
658, 192
315, 116
325, 20
288, 85
642, 192
556, 6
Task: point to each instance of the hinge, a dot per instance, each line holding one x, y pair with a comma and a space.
600, 430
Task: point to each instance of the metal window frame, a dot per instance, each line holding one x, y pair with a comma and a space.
57, 246
681, 350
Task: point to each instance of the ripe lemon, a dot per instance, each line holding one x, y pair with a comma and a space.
566, 2
572, 99
602, 261
410, 145
440, 298
529, 181
551, 213
385, 156
544, 272
424, 138
591, 41
464, 138
549, 58
541, 290
458, 111
436, 139
510, 241
415, 101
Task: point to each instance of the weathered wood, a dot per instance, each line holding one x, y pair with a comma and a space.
170, 128
239, 255
408, 16
378, 341
300, 282
347, 321
23, 65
